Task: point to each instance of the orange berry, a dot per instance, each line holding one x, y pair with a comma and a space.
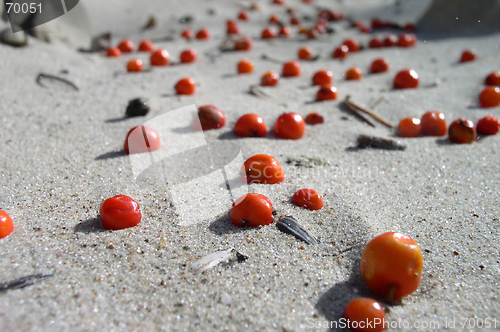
126, 46
113, 52
232, 27
188, 55
294, 20
141, 139
407, 40
468, 55
314, 118
291, 68
433, 124
376, 42
135, 65
274, 19
326, 93
268, 33
244, 15
379, 66
160, 57
187, 34
462, 131
364, 314
490, 96
252, 210
390, 40
409, 127
6, 224
146, 46
352, 45
243, 43
285, 32
185, 86
493, 79
245, 66
120, 212
263, 168
250, 125
323, 77
341, 52
289, 126
488, 125
270, 78
305, 53
353, 73
308, 199
406, 79
203, 34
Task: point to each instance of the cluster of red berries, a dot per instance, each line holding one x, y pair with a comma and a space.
202, 34
490, 95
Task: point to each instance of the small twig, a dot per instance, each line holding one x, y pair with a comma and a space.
57, 78
370, 113
267, 57
23, 282
256, 91
355, 112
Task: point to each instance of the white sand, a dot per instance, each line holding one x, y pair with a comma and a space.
60, 158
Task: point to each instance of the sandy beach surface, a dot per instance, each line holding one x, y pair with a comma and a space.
61, 156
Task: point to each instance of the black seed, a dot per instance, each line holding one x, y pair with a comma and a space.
137, 107
290, 226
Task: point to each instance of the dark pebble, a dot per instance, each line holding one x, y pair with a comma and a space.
137, 107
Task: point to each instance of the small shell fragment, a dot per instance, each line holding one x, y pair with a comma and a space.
365, 141
209, 261
289, 225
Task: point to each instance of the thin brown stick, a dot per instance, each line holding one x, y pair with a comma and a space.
355, 112
370, 113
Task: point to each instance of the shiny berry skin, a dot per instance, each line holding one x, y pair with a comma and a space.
468, 55
245, 66
326, 93
126, 46
203, 34
322, 77
353, 73
252, 210
462, 131
289, 126
274, 19
210, 117
232, 27
305, 53
268, 33
379, 65
135, 65
243, 43
291, 68
364, 314
264, 169
393, 275
270, 78
433, 124
188, 55
160, 57
352, 45
146, 46
250, 125
406, 79
490, 97
284, 32
409, 127
376, 42
308, 199
488, 125
187, 34
341, 52
493, 79
6, 224
120, 212
407, 40
185, 86
244, 15
390, 40
314, 118
141, 139
113, 52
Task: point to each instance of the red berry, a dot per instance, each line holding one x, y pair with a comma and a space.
232, 27
187, 34
6, 224
126, 46
305, 53
290, 126
141, 139
323, 77
490, 97
353, 73
285, 32
244, 15
252, 210
406, 79
468, 55
270, 78
364, 314
135, 65
462, 131
433, 124
120, 212
376, 42
243, 43
245, 66
263, 168
493, 79
308, 199
250, 125
390, 40
274, 19
393, 275
185, 86
146, 46
203, 34
268, 33
314, 118
326, 93
488, 125
377, 23
341, 52
407, 40
279, 2
409, 127
379, 65
352, 45
210, 117
188, 55
294, 20
291, 68
160, 57
113, 52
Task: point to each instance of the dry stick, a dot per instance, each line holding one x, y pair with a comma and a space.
267, 57
57, 78
370, 113
355, 111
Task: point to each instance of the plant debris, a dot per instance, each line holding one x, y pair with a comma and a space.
258, 92
211, 260
289, 225
23, 282
365, 141
57, 78
355, 107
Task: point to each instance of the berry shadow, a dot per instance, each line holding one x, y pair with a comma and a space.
223, 225
90, 226
123, 118
227, 75
111, 155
